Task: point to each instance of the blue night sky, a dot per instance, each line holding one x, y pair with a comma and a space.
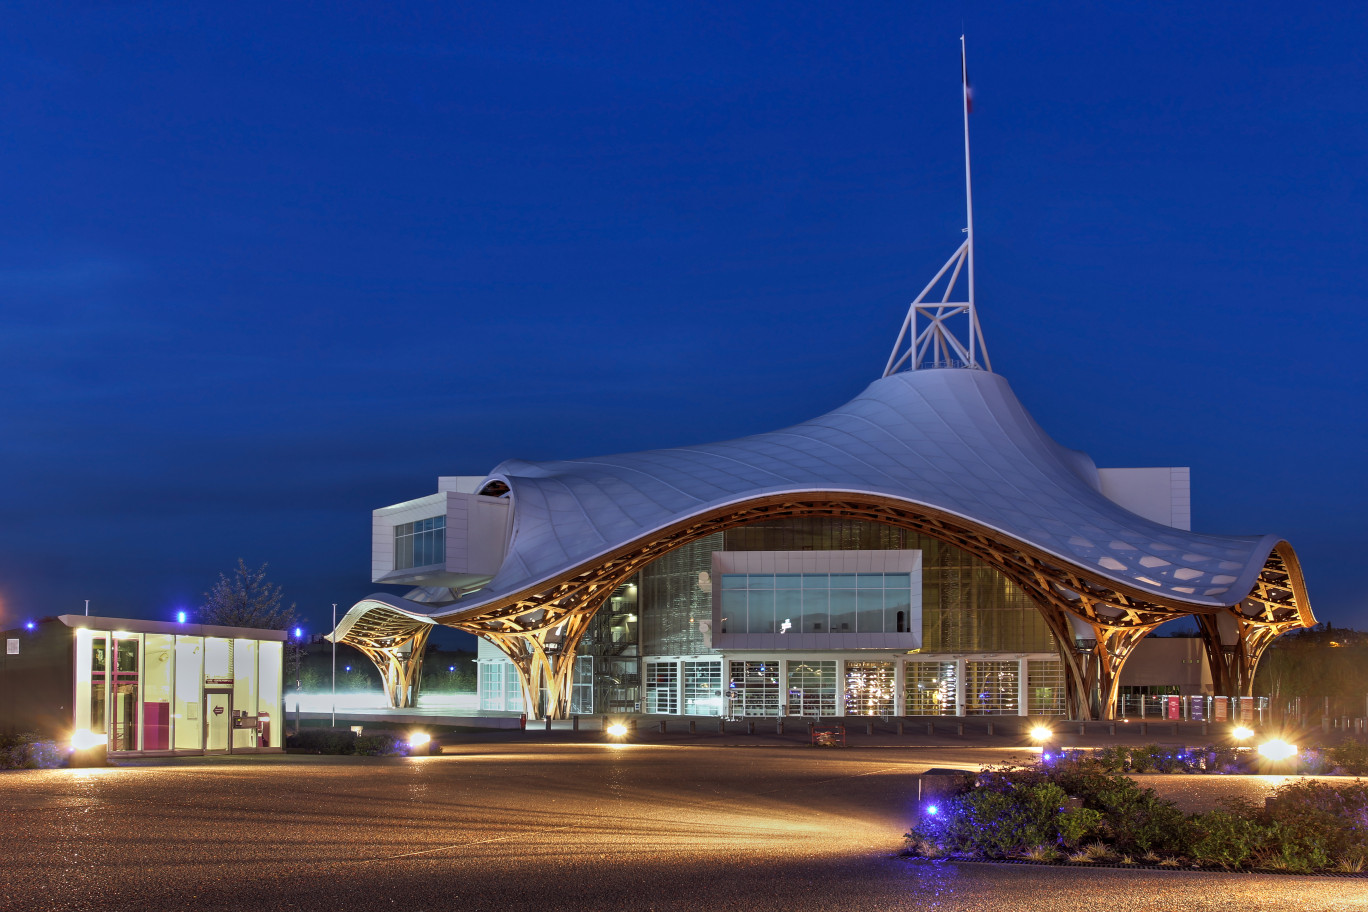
263, 269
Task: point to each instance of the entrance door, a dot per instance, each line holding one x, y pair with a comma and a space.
218, 705
125, 715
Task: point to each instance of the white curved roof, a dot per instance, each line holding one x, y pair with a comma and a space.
954, 440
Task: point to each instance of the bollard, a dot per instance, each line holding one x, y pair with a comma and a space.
574, 723
1144, 728
1081, 727
662, 726
779, 726
631, 724
930, 729
1206, 729
990, 726
693, 726
548, 723
721, 726
959, 729
1325, 724
900, 726
869, 727
750, 726
1111, 729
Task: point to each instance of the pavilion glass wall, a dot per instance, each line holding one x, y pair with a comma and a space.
145, 692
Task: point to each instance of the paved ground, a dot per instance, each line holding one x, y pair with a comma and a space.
545, 826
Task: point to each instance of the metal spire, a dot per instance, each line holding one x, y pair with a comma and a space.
928, 338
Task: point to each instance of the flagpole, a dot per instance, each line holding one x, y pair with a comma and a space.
969, 206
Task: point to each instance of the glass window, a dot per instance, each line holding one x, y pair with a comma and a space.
788, 581
244, 693
816, 603
871, 610
733, 581
491, 686
270, 718
811, 688
843, 610
760, 581
816, 581
420, 544
186, 721
870, 580
760, 611
218, 661
869, 689
897, 611
788, 610
157, 683
733, 610
898, 581
929, 688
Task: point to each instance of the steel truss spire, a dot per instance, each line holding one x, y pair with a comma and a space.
946, 333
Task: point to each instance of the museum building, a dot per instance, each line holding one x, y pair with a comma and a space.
925, 549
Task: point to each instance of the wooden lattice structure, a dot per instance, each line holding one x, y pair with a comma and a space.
540, 629
394, 640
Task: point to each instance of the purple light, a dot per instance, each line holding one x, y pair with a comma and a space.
299, 634
180, 617
29, 625
932, 809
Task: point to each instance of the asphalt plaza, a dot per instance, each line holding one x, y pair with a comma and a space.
518, 824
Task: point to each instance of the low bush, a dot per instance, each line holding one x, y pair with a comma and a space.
30, 751
1350, 757
323, 741
380, 746
1047, 812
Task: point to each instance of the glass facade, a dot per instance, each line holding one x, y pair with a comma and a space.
816, 602
870, 689
652, 648
1045, 687
703, 688
812, 687
662, 687
150, 692
420, 544
991, 688
753, 688
929, 688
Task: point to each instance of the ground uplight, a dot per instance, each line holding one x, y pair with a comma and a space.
617, 730
419, 739
1277, 749
84, 739
1240, 733
1041, 733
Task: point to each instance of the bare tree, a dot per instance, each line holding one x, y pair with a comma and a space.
246, 600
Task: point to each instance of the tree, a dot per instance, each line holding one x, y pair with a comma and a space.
246, 600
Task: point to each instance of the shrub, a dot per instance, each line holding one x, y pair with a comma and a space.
1227, 839
323, 741
29, 751
1350, 756
380, 746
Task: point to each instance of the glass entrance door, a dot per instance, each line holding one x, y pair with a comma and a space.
218, 717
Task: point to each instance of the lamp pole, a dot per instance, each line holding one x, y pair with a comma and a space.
334, 667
